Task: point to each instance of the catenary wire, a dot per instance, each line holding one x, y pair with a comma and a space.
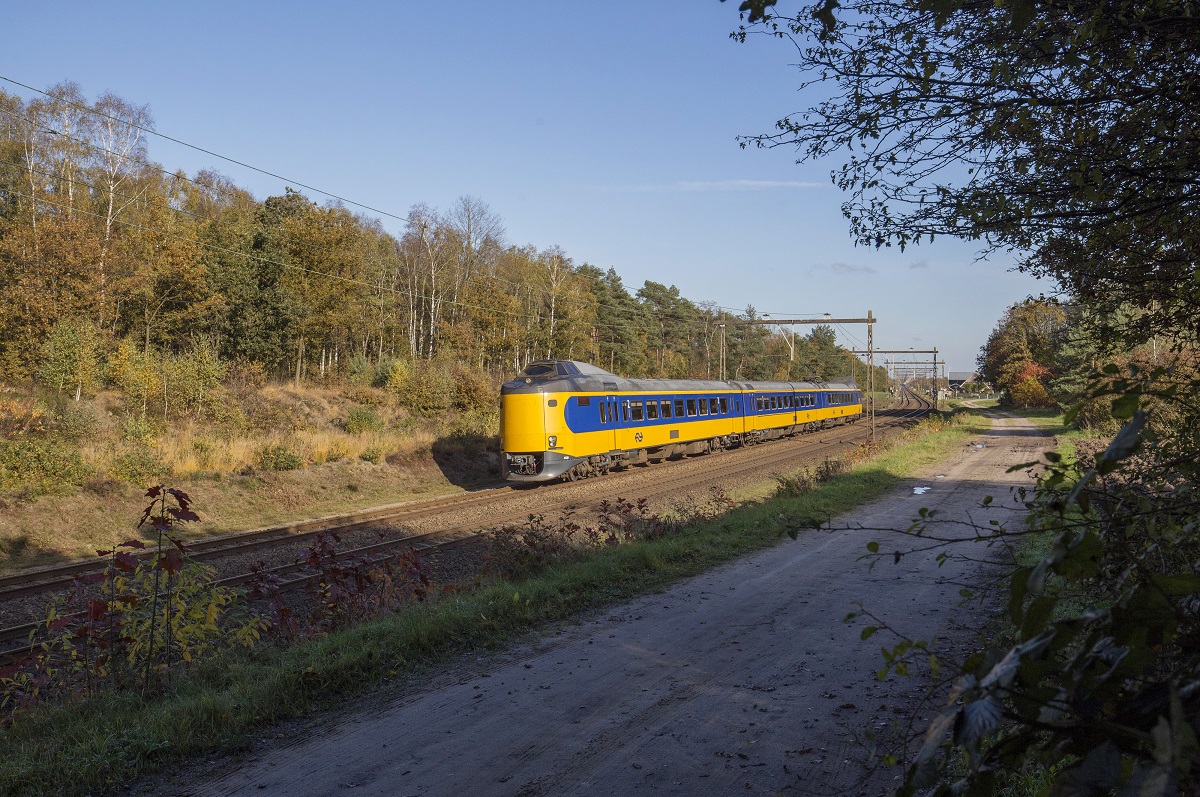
151, 131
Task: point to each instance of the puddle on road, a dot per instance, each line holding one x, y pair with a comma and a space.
921, 490
981, 445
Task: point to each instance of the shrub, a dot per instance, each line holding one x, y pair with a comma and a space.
392, 374
374, 455
191, 380
363, 419
141, 467
279, 457
135, 374
20, 418
44, 466
473, 391
140, 430
203, 450
71, 357
77, 421
428, 391
362, 372
337, 451
245, 375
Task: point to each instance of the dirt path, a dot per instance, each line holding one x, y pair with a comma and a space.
744, 680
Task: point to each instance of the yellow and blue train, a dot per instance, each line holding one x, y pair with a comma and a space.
564, 419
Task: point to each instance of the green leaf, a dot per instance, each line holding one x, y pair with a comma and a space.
1037, 615
868, 632
1125, 406
873, 547
1018, 588
1125, 443
1177, 584
978, 719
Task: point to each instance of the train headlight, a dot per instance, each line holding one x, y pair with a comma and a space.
552, 440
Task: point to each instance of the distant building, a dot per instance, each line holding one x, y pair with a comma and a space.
957, 378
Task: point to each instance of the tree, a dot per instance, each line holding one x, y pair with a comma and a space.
672, 318
158, 274
1059, 129
119, 148
45, 276
1020, 354
71, 356
620, 326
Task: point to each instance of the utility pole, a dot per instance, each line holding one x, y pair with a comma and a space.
935, 380
722, 345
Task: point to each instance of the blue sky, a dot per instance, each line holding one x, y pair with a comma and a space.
608, 129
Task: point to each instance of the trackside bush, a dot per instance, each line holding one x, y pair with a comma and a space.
363, 419
43, 466
279, 457
429, 390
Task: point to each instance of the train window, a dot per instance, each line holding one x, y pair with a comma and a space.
724, 405
625, 410
758, 402
603, 412
704, 406
691, 408
774, 402
552, 403
666, 409
714, 406
678, 408
637, 411
652, 410
538, 369
585, 401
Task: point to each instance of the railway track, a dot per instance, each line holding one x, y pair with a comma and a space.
670, 481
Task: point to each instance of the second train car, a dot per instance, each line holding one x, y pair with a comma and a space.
565, 419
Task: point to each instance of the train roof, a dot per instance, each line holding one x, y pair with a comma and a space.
561, 376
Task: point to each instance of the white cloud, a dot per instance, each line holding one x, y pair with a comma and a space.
701, 186
850, 268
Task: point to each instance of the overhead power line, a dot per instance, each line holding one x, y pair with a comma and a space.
217, 189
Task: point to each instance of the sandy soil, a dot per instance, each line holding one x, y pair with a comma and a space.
744, 680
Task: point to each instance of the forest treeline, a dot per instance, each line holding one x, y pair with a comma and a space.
110, 263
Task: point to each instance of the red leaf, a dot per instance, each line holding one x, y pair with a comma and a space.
162, 525
154, 492
97, 610
171, 561
184, 514
133, 544
61, 622
128, 600
183, 498
182, 548
125, 561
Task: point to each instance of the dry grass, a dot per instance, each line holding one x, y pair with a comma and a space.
220, 466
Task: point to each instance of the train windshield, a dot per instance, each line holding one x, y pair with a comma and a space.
539, 369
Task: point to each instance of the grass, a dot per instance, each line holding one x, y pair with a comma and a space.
106, 741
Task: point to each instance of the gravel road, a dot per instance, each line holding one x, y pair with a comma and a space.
744, 680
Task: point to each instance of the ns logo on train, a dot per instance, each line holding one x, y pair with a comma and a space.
564, 419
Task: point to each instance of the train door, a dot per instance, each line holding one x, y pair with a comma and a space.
614, 422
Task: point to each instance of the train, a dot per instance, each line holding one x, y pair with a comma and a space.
567, 420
